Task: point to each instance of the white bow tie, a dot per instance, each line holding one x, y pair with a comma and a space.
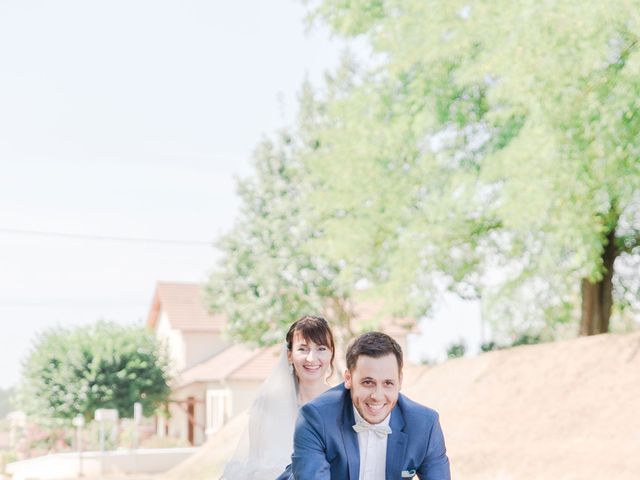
380, 430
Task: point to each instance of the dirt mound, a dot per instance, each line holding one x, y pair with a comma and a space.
559, 411
565, 410
209, 462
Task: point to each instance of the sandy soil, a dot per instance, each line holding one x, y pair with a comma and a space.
564, 411
561, 411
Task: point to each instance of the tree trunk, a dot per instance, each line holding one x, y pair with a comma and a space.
339, 312
597, 297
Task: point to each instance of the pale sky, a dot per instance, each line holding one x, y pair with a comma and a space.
131, 119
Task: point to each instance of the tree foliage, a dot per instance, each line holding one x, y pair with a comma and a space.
268, 275
6, 404
105, 365
490, 145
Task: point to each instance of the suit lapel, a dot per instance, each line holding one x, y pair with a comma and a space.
350, 438
396, 444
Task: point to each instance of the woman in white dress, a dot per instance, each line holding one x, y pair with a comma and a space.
302, 373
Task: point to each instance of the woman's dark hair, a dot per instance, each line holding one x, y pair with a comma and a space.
313, 329
373, 344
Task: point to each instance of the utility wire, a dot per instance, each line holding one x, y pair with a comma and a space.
69, 303
108, 238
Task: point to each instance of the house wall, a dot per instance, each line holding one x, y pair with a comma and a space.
243, 393
177, 422
173, 340
179, 419
241, 396
200, 346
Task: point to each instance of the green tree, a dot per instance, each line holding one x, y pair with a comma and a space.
269, 275
104, 365
6, 404
493, 145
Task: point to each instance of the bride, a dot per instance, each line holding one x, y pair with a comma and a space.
265, 449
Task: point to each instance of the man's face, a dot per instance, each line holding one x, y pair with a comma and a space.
375, 384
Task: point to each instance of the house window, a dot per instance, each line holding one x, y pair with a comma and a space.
218, 409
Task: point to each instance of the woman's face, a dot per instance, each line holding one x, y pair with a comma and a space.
310, 360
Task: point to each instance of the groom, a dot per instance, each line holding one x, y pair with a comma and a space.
365, 429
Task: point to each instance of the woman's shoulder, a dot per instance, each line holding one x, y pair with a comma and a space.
332, 398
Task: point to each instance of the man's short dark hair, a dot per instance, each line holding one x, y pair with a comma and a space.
372, 344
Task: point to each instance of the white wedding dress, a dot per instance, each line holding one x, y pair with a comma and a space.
265, 448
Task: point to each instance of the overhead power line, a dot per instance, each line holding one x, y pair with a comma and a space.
106, 238
70, 303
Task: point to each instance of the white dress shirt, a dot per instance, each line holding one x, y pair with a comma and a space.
373, 451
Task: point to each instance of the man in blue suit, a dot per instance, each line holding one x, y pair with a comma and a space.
365, 429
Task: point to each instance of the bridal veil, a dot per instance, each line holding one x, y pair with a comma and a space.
266, 445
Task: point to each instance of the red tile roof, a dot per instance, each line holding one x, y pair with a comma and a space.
237, 362
185, 306
259, 366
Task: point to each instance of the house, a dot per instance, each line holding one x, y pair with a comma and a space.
213, 378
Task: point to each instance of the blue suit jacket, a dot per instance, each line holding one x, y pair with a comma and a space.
326, 446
